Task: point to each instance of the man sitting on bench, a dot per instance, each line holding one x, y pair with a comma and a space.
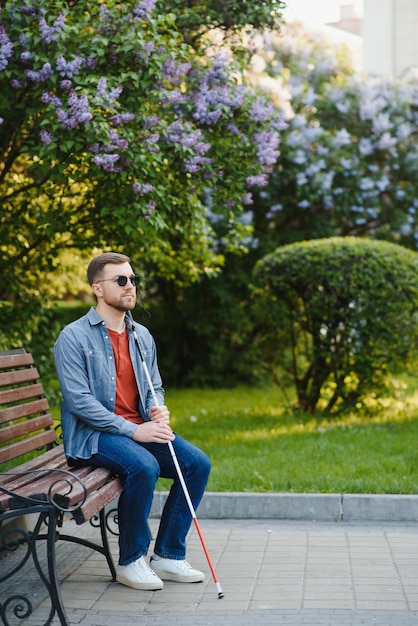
109, 419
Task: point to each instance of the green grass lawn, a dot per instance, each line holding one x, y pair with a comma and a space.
256, 444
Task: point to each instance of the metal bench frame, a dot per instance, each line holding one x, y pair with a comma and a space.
45, 486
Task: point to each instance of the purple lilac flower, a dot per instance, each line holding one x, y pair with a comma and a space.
202, 112
6, 49
175, 73
150, 210
106, 148
151, 142
151, 120
121, 118
174, 96
90, 63
104, 13
183, 134
217, 72
46, 137
1, 120
233, 129
26, 56
280, 123
78, 111
95, 148
50, 98
247, 199
201, 148
17, 83
258, 179
123, 144
175, 131
141, 189
70, 68
107, 162
143, 9
195, 164
267, 143
40, 76
210, 102
51, 33
115, 142
27, 7
261, 110
66, 85
231, 96
107, 97
148, 48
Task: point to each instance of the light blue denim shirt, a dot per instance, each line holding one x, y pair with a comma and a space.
87, 376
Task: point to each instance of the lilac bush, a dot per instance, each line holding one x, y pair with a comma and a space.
349, 160
114, 130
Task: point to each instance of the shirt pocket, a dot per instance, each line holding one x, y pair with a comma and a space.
96, 366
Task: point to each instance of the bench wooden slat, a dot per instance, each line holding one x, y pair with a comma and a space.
53, 483
26, 445
17, 377
48, 458
27, 409
18, 394
93, 478
65, 488
97, 501
20, 359
54, 458
32, 478
8, 433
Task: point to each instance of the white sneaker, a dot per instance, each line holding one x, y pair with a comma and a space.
138, 575
179, 571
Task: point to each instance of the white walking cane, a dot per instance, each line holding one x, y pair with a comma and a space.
180, 474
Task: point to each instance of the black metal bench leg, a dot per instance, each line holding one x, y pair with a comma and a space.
55, 591
105, 543
20, 603
51, 582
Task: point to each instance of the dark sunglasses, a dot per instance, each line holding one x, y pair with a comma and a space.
122, 280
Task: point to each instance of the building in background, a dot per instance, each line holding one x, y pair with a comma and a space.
350, 19
390, 36
389, 30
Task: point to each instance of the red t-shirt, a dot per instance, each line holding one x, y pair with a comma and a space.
127, 395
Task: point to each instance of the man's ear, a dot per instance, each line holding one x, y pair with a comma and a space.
97, 290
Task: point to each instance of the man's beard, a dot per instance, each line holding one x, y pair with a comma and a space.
120, 304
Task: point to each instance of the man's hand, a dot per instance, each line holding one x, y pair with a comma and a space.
156, 431
159, 414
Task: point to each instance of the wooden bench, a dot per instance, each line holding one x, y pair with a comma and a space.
44, 485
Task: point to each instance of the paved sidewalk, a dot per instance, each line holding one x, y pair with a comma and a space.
272, 572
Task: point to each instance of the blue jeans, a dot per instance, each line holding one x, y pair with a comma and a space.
139, 465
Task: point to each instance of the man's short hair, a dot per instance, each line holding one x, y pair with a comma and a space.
96, 265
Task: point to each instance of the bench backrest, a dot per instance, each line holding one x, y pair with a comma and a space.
25, 421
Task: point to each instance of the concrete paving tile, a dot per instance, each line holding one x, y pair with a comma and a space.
328, 585
378, 594
299, 573
276, 604
328, 604
381, 605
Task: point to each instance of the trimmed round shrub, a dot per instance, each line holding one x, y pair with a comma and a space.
351, 315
